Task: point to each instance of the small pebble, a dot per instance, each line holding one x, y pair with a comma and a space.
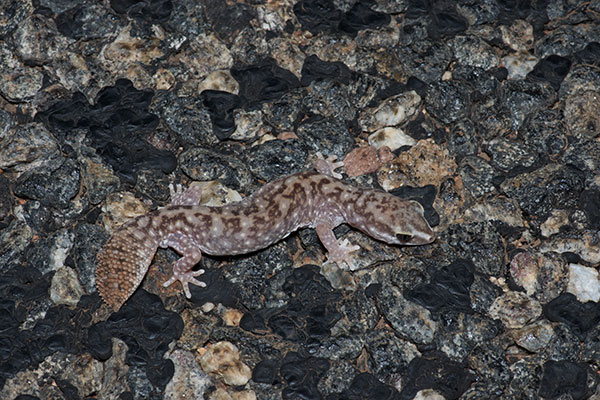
583, 283
223, 359
515, 309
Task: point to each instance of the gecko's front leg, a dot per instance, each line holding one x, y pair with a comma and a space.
182, 268
338, 252
185, 245
327, 166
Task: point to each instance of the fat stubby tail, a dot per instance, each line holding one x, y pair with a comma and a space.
123, 262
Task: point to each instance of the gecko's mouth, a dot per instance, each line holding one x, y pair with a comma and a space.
415, 240
404, 238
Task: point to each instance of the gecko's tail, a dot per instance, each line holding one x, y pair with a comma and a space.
123, 262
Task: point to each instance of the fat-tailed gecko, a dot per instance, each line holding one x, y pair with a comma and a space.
316, 199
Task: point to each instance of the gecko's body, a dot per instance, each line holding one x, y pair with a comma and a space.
308, 199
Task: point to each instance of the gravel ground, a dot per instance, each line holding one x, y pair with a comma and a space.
486, 112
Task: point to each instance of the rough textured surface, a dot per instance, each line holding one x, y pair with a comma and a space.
484, 112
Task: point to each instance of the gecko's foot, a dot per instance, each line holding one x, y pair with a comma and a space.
186, 278
185, 197
343, 255
327, 166
175, 190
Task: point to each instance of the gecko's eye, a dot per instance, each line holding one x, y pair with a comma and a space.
404, 238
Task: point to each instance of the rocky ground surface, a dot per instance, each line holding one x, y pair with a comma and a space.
487, 112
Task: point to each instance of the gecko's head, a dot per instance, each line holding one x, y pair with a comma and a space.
396, 221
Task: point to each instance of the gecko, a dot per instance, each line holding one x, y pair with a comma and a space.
317, 199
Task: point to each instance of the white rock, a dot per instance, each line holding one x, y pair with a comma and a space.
428, 394
583, 283
394, 138
65, 287
519, 64
189, 381
390, 112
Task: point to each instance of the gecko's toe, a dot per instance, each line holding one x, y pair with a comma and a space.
186, 278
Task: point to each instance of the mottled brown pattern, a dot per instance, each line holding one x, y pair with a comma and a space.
274, 212
232, 224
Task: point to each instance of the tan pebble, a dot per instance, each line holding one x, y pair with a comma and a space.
223, 359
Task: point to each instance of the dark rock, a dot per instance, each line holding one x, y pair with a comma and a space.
152, 11
147, 329
262, 82
119, 114
548, 188
389, 355
325, 133
366, 386
218, 290
579, 317
443, 19
300, 376
446, 23
423, 58
589, 203
522, 98
479, 243
6, 202
552, 69
221, 106
228, 19
590, 54
361, 16
315, 69
508, 155
276, 158
88, 239
41, 253
544, 130
188, 118
533, 12
86, 21
205, 164
478, 176
447, 101
266, 372
54, 188
407, 318
318, 15
298, 373
461, 140
564, 377
13, 14
448, 289
62, 329
435, 371
309, 314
